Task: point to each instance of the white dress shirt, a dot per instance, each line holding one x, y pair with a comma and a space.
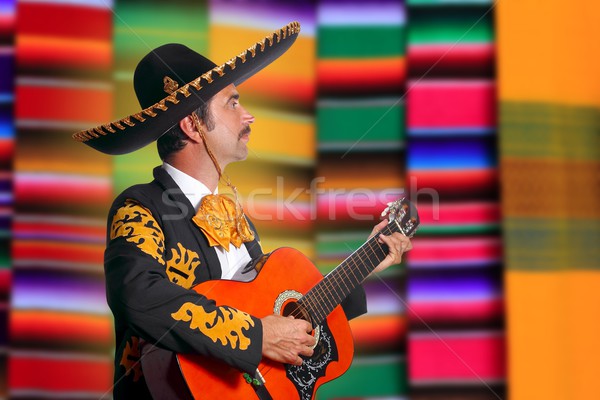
195, 190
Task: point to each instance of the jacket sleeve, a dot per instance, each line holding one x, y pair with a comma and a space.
356, 303
162, 309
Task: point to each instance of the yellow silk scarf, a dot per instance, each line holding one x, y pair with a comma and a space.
221, 222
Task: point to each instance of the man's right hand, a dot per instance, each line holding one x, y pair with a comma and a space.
286, 338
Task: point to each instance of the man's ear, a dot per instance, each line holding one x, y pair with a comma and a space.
188, 127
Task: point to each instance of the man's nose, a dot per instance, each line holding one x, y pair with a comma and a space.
248, 118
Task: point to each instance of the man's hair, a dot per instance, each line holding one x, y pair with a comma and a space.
175, 139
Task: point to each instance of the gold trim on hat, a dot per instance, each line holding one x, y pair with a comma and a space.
89, 134
231, 63
170, 85
219, 70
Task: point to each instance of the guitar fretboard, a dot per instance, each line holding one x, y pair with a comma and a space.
339, 283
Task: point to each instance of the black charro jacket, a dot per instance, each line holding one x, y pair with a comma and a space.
154, 255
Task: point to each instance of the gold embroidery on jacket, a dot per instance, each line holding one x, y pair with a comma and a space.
131, 359
136, 224
226, 324
181, 266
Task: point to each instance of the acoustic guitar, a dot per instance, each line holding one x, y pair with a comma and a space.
287, 283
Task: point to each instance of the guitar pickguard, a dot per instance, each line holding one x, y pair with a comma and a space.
305, 376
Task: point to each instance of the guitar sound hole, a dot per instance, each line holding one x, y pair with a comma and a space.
296, 310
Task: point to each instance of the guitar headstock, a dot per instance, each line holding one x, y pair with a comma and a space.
403, 215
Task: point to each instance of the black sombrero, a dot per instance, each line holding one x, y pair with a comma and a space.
172, 81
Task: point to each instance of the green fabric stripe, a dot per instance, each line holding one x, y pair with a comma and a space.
341, 242
451, 25
361, 41
545, 130
136, 30
140, 27
479, 229
368, 377
360, 123
5, 253
552, 244
135, 167
394, 271
339, 247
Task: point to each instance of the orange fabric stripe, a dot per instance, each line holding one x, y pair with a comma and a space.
280, 89
57, 326
548, 54
387, 72
378, 330
553, 334
55, 52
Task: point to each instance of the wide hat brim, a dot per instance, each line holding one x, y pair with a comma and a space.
140, 129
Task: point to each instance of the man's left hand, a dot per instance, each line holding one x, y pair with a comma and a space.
397, 243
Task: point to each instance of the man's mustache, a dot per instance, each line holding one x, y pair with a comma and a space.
244, 131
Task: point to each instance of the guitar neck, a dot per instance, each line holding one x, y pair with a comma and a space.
339, 283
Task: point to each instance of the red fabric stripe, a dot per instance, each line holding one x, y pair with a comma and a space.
451, 103
5, 280
472, 57
63, 104
7, 148
30, 372
451, 249
64, 20
349, 74
472, 357
456, 311
60, 327
369, 209
20, 227
357, 207
62, 192
38, 250
456, 181
7, 25
460, 213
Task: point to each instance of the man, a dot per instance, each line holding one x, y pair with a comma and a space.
175, 232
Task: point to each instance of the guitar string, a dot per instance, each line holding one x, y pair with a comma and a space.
321, 292
336, 278
331, 282
364, 249
326, 286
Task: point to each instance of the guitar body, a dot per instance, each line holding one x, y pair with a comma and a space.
285, 276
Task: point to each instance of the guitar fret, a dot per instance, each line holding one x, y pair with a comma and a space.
329, 293
339, 283
319, 302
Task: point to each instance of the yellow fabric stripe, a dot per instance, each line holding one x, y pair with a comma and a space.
222, 48
278, 133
